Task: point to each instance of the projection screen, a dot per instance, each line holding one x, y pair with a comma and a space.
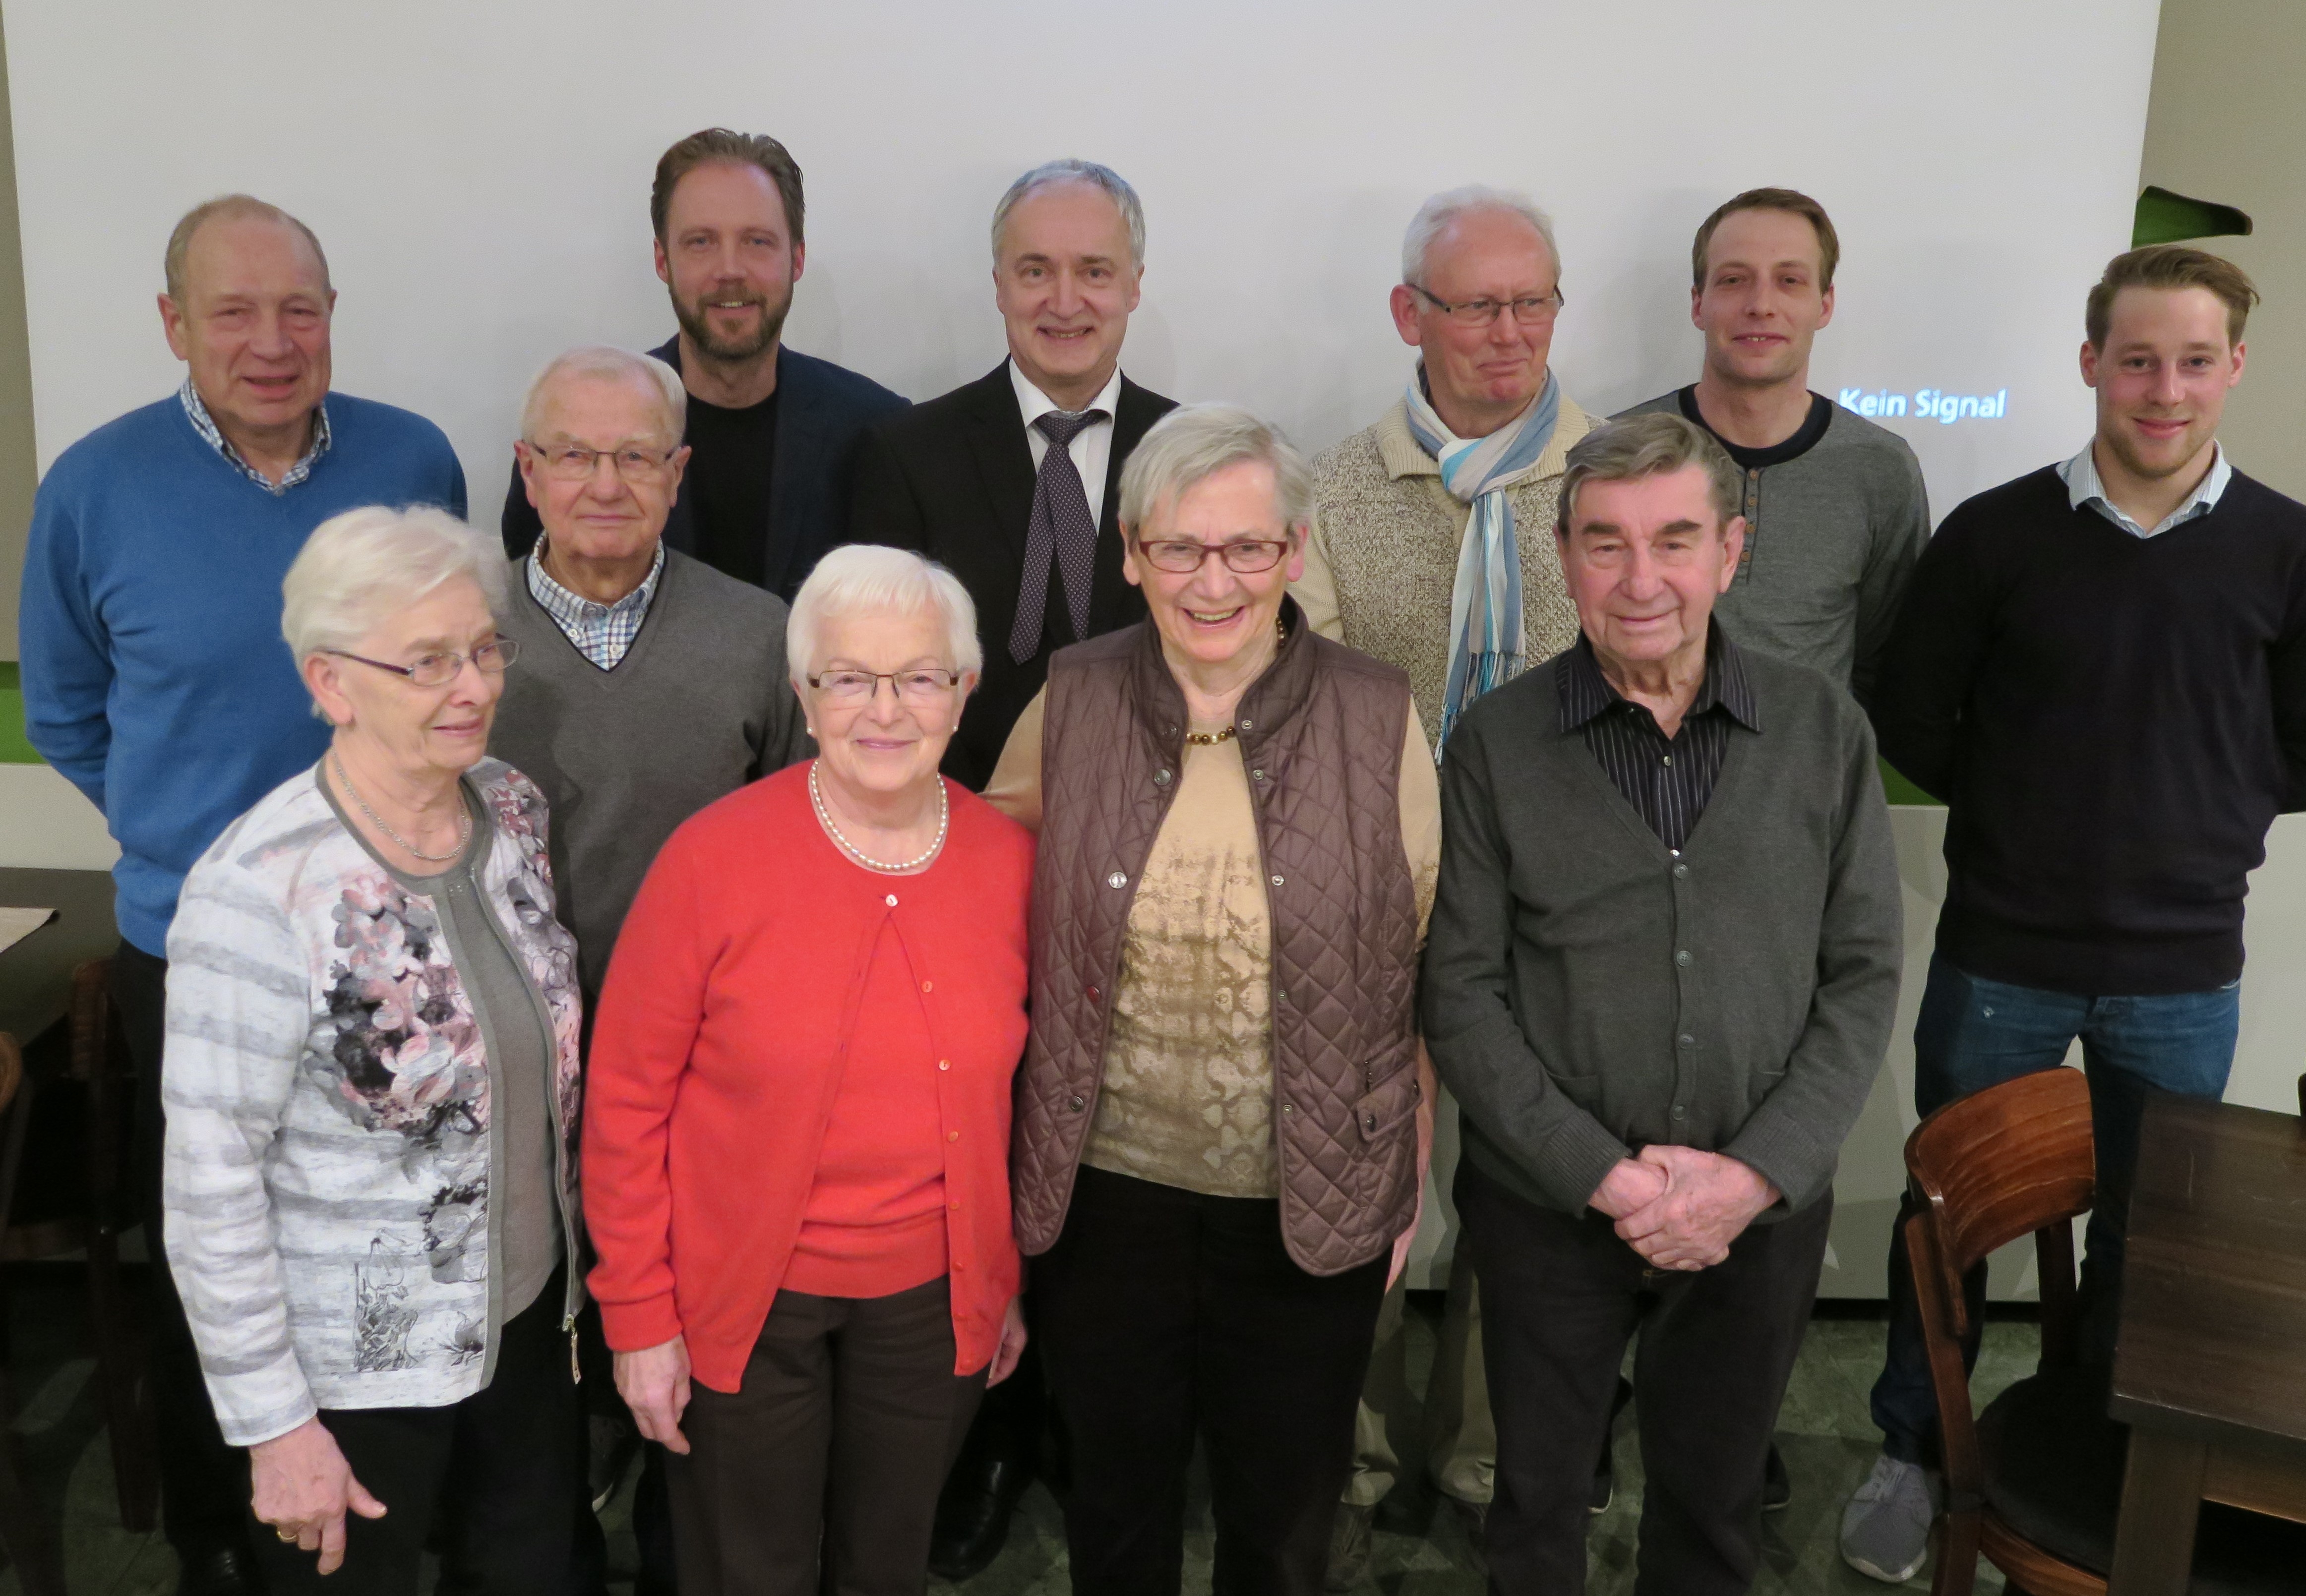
478, 175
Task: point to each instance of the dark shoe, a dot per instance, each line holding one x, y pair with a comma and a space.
1776, 1485
1605, 1481
610, 1449
224, 1571
972, 1516
1349, 1547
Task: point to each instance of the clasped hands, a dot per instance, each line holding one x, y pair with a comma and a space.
1679, 1207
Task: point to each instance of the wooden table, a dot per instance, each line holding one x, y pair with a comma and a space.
35, 974
2210, 1371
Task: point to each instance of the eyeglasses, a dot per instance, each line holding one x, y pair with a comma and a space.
1182, 557
921, 687
437, 671
1531, 309
572, 464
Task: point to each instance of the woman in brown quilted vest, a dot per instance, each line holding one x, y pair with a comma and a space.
1223, 1117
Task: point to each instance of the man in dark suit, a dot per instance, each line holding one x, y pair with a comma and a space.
995, 481
769, 430
997, 478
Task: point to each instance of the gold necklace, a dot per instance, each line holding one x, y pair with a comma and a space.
1209, 740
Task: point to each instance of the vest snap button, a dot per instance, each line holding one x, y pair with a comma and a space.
1289, 1108
1076, 1103
1244, 725
1276, 881
1117, 881
1260, 775
1160, 778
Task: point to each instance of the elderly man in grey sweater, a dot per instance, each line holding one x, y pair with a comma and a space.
649, 685
1663, 972
1835, 510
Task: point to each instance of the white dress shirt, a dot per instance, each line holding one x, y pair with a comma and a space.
2084, 488
1091, 448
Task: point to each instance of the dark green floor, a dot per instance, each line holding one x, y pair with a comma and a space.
1823, 1431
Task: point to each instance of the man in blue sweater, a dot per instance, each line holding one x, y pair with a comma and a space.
2101, 668
156, 679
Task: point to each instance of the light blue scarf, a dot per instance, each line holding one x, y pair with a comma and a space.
1485, 613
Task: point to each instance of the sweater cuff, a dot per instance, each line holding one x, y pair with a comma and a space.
635, 1326
1785, 1156
1575, 1160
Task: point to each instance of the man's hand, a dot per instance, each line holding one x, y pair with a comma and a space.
302, 1486
1708, 1202
1629, 1187
655, 1384
1013, 1343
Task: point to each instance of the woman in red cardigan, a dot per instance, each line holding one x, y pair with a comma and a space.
796, 1121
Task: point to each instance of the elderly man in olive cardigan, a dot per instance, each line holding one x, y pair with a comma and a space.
1661, 975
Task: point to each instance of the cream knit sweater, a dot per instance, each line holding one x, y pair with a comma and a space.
1383, 555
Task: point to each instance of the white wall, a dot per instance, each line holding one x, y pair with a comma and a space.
478, 173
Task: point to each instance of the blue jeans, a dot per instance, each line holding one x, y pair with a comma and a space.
1973, 1033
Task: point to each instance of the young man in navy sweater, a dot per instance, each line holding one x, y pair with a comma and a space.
156, 679
2101, 669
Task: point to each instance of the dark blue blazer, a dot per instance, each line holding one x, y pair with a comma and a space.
822, 411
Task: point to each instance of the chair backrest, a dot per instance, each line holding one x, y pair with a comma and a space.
1999, 1164
1984, 1171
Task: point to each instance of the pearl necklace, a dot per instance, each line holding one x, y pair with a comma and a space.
464, 821
824, 819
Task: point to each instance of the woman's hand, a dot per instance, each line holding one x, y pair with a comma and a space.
655, 1384
1013, 1343
302, 1485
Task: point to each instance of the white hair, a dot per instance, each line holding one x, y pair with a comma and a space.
1195, 442
1050, 172
1438, 212
361, 568
606, 360
870, 579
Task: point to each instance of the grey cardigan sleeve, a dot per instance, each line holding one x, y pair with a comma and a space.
1478, 1045
1794, 1137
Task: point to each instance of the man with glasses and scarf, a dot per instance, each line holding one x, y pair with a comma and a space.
1431, 549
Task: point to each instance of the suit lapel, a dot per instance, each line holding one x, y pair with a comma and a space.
798, 448
1005, 464
1112, 602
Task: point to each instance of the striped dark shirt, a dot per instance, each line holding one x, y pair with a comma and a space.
1668, 781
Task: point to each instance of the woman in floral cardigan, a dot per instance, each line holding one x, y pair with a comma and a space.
371, 1090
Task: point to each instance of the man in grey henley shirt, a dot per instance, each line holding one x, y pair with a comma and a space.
1835, 511
1661, 975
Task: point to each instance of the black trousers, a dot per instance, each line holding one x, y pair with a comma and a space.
203, 1481
494, 1482
1561, 1298
820, 1473
1167, 1316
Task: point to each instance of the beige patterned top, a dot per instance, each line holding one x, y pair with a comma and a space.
1382, 559
1187, 1097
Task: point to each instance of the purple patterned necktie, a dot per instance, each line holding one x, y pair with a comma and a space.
1060, 532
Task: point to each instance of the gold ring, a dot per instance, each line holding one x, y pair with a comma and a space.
288, 1535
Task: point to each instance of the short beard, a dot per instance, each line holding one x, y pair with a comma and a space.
698, 327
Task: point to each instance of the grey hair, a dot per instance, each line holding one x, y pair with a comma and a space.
226, 207
606, 360
869, 578
1657, 444
1194, 442
1438, 212
1050, 172
361, 568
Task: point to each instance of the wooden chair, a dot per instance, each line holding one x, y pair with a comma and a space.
2035, 1481
30, 1542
